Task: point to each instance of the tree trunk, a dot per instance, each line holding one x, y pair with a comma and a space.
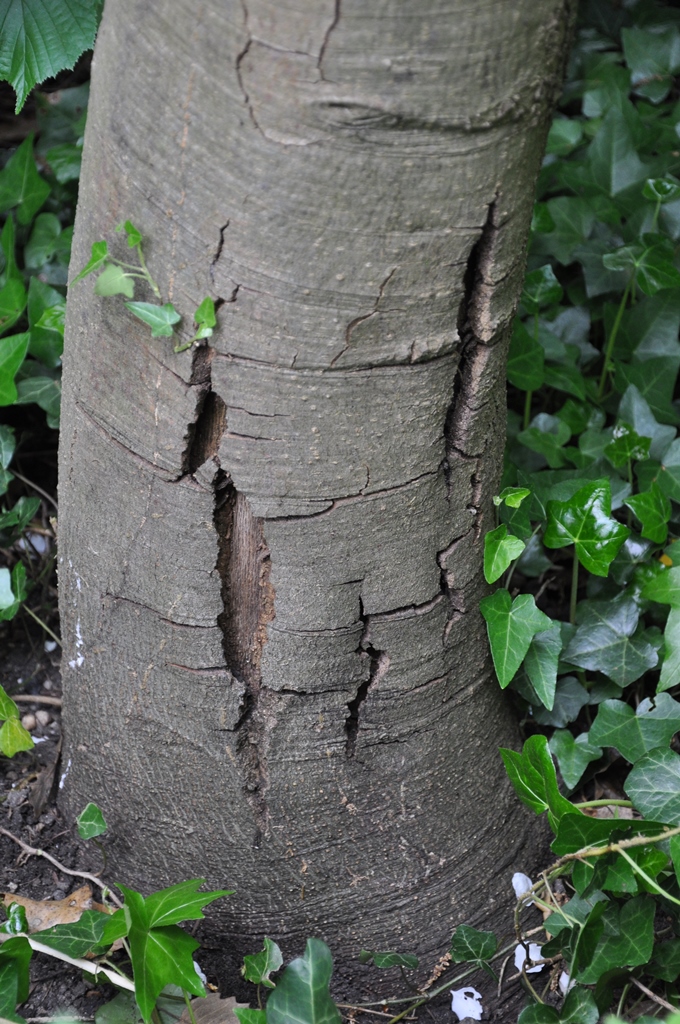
277, 675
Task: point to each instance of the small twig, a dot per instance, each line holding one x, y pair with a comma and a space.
54, 505
41, 623
33, 851
657, 999
30, 698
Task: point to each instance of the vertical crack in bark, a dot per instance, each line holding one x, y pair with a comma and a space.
244, 569
218, 252
379, 664
326, 38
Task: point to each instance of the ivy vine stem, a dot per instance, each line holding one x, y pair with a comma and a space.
612, 337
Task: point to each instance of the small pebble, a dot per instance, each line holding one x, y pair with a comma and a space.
50, 645
28, 721
48, 684
43, 718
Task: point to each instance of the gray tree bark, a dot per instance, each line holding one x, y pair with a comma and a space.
270, 547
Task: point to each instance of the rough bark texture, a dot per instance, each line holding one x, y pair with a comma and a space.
271, 547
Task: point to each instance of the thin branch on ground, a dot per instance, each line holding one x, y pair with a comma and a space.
32, 698
33, 851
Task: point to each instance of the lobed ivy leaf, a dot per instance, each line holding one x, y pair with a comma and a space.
114, 281
585, 521
573, 755
533, 776
45, 392
15, 956
247, 1016
654, 786
100, 252
670, 669
42, 243
511, 626
541, 663
259, 966
8, 708
525, 359
91, 822
661, 190
653, 509
181, 902
12, 303
626, 446
12, 354
407, 960
512, 496
500, 550
541, 288
20, 184
626, 940
301, 994
133, 234
159, 318
76, 938
469, 945
607, 640
14, 738
634, 732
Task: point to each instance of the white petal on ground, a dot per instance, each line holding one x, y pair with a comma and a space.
50, 645
466, 1002
565, 983
534, 953
200, 973
522, 883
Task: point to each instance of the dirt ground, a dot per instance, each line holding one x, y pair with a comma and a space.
29, 787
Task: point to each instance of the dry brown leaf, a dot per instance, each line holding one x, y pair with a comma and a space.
213, 1010
43, 914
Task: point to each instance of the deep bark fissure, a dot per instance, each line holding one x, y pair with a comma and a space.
379, 664
218, 252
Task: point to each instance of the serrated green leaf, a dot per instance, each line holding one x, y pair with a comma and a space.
39, 40
532, 774
585, 521
469, 945
258, 966
159, 318
634, 732
573, 755
541, 663
500, 550
301, 995
606, 640
511, 626
100, 252
13, 738
654, 786
91, 822
113, 280
76, 938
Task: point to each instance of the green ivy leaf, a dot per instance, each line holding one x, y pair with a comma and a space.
576, 831
100, 252
538, 1013
634, 732
468, 945
541, 288
159, 318
532, 774
91, 822
12, 304
181, 902
541, 663
512, 496
259, 966
76, 938
113, 280
573, 755
205, 318
654, 786
133, 234
661, 190
626, 446
547, 436
20, 184
664, 587
612, 159
65, 161
39, 40
585, 521
12, 354
45, 345
13, 738
653, 58
525, 359
511, 626
42, 244
15, 956
8, 708
302, 992
160, 956
670, 669
653, 509
406, 960
606, 641
45, 392
247, 1016
500, 550
580, 1007
627, 938
666, 961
